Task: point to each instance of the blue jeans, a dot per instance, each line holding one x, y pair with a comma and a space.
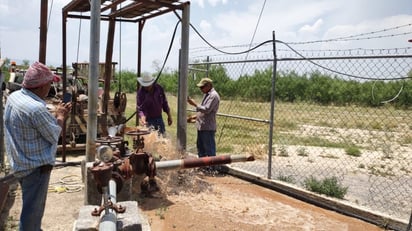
157, 123
206, 145
34, 188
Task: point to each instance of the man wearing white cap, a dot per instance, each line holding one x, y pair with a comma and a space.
31, 135
152, 101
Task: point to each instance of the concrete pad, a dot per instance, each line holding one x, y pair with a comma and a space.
131, 220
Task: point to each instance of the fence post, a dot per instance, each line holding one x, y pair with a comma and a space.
272, 109
1, 118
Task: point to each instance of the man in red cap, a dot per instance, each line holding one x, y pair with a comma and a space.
31, 135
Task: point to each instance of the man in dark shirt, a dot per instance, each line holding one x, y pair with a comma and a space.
206, 118
152, 101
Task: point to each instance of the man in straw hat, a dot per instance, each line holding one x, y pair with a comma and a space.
152, 101
31, 135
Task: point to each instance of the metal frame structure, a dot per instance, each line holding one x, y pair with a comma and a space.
134, 11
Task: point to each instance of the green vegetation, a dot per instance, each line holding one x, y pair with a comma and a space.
302, 152
160, 212
314, 88
361, 165
287, 179
283, 151
381, 170
353, 151
327, 186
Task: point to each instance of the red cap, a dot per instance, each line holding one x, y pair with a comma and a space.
38, 75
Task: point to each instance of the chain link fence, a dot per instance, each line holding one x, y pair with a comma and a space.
366, 149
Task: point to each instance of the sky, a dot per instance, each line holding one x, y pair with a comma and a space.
221, 22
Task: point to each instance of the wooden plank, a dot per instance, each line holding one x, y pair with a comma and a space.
81, 124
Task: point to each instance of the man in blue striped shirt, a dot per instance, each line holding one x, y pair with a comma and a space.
32, 134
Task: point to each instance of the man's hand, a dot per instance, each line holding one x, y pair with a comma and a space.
191, 102
143, 121
63, 110
191, 119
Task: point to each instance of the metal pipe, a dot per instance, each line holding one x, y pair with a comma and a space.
108, 69
183, 75
204, 161
108, 221
2, 165
272, 108
64, 78
238, 117
93, 80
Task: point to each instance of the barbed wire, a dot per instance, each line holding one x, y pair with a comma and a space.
354, 37
345, 38
339, 72
335, 52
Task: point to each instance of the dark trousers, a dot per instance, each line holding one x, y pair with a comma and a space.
157, 123
34, 188
206, 145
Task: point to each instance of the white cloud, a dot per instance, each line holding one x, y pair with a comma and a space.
200, 3
214, 2
370, 34
311, 28
369, 26
205, 25
236, 26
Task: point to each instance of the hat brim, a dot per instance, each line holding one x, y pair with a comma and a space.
145, 83
56, 78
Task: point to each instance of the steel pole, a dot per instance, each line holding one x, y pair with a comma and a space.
183, 75
93, 80
272, 108
43, 31
2, 165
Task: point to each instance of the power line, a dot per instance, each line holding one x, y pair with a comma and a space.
246, 57
254, 33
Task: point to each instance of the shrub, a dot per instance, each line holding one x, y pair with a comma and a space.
353, 151
328, 186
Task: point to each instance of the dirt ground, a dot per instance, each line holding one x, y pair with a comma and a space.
192, 200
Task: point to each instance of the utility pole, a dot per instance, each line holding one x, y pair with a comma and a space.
43, 31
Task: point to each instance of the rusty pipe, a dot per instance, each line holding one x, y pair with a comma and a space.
204, 161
